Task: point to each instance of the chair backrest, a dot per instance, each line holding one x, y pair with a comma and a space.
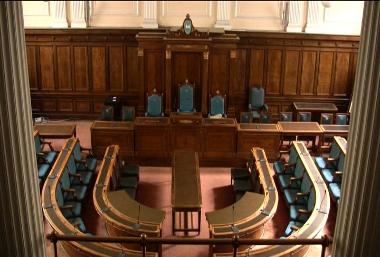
186, 98
265, 118
59, 196
342, 158
154, 104
127, 113
341, 119
306, 184
72, 168
256, 97
327, 118
65, 179
299, 170
334, 151
286, 116
107, 113
37, 143
245, 117
304, 116
293, 155
311, 200
77, 152
217, 104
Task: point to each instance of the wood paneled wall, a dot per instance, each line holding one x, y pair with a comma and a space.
71, 72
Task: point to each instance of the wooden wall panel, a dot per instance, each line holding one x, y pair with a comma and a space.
341, 74
65, 106
98, 65
325, 73
132, 69
64, 68
256, 67
238, 72
32, 67
116, 68
47, 68
154, 68
291, 72
308, 72
82, 106
219, 72
81, 81
273, 86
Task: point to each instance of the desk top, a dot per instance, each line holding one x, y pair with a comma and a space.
258, 127
227, 122
299, 127
152, 121
55, 130
186, 187
122, 125
320, 107
337, 129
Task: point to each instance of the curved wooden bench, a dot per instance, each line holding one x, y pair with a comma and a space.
62, 226
313, 225
120, 212
253, 210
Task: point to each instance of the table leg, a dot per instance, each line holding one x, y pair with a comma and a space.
199, 221
173, 222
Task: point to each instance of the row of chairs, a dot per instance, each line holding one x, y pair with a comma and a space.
75, 183
331, 169
45, 157
326, 118
297, 189
126, 177
108, 113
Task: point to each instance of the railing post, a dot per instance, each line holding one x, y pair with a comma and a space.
235, 244
53, 238
326, 242
143, 244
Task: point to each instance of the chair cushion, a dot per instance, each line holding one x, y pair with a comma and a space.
286, 183
335, 190
72, 212
78, 223
295, 215
322, 163
289, 230
50, 156
328, 175
43, 170
290, 197
90, 165
86, 177
80, 192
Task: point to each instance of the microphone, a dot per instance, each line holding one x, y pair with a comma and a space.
137, 225
234, 228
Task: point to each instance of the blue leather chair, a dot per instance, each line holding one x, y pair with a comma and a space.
299, 196
245, 117
217, 105
186, 97
304, 116
256, 102
327, 118
286, 116
280, 167
107, 113
154, 105
341, 118
292, 181
302, 213
127, 113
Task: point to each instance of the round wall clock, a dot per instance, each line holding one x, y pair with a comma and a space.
187, 25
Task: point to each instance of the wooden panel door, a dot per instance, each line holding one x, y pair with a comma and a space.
256, 67
292, 59
219, 72
80, 70
308, 72
154, 71
238, 73
32, 67
47, 67
116, 68
325, 73
98, 65
132, 69
273, 86
64, 68
341, 74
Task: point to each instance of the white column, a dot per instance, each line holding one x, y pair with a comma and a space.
223, 15
357, 228
150, 15
21, 224
78, 14
58, 12
296, 16
315, 13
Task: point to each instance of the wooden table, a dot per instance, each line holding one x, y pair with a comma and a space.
55, 131
315, 108
297, 129
334, 130
186, 191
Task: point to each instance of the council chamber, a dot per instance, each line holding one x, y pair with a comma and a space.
208, 128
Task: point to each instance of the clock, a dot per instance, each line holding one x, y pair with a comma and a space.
187, 25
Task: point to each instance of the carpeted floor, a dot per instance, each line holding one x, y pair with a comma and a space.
155, 191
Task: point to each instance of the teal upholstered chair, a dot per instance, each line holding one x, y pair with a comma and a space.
256, 102
107, 113
217, 105
341, 118
245, 117
299, 196
286, 116
154, 105
302, 212
293, 226
327, 118
304, 116
186, 97
127, 113
289, 181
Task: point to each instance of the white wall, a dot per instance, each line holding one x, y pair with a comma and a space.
332, 17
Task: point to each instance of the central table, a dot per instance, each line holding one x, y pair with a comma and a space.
315, 108
186, 191
55, 131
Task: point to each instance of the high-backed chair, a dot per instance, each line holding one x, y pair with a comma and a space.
127, 113
217, 105
286, 116
304, 116
327, 118
341, 118
107, 113
256, 102
154, 104
245, 117
186, 97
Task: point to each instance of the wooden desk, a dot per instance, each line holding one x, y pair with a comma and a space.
334, 130
266, 136
219, 140
315, 108
301, 129
186, 131
186, 190
152, 139
342, 143
105, 133
55, 131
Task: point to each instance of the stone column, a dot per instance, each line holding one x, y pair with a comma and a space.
150, 15
58, 10
222, 15
21, 228
357, 230
295, 16
314, 17
78, 14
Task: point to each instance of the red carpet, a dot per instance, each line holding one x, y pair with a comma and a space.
155, 191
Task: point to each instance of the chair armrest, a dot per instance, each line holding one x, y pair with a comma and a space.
292, 179
338, 173
300, 195
68, 206
81, 161
40, 154
294, 227
329, 159
69, 190
47, 143
303, 211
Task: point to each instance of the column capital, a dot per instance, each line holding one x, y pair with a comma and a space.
150, 15
223, 15
296, 16
78, 14
58, 11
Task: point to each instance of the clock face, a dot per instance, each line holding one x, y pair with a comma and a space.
187, 26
